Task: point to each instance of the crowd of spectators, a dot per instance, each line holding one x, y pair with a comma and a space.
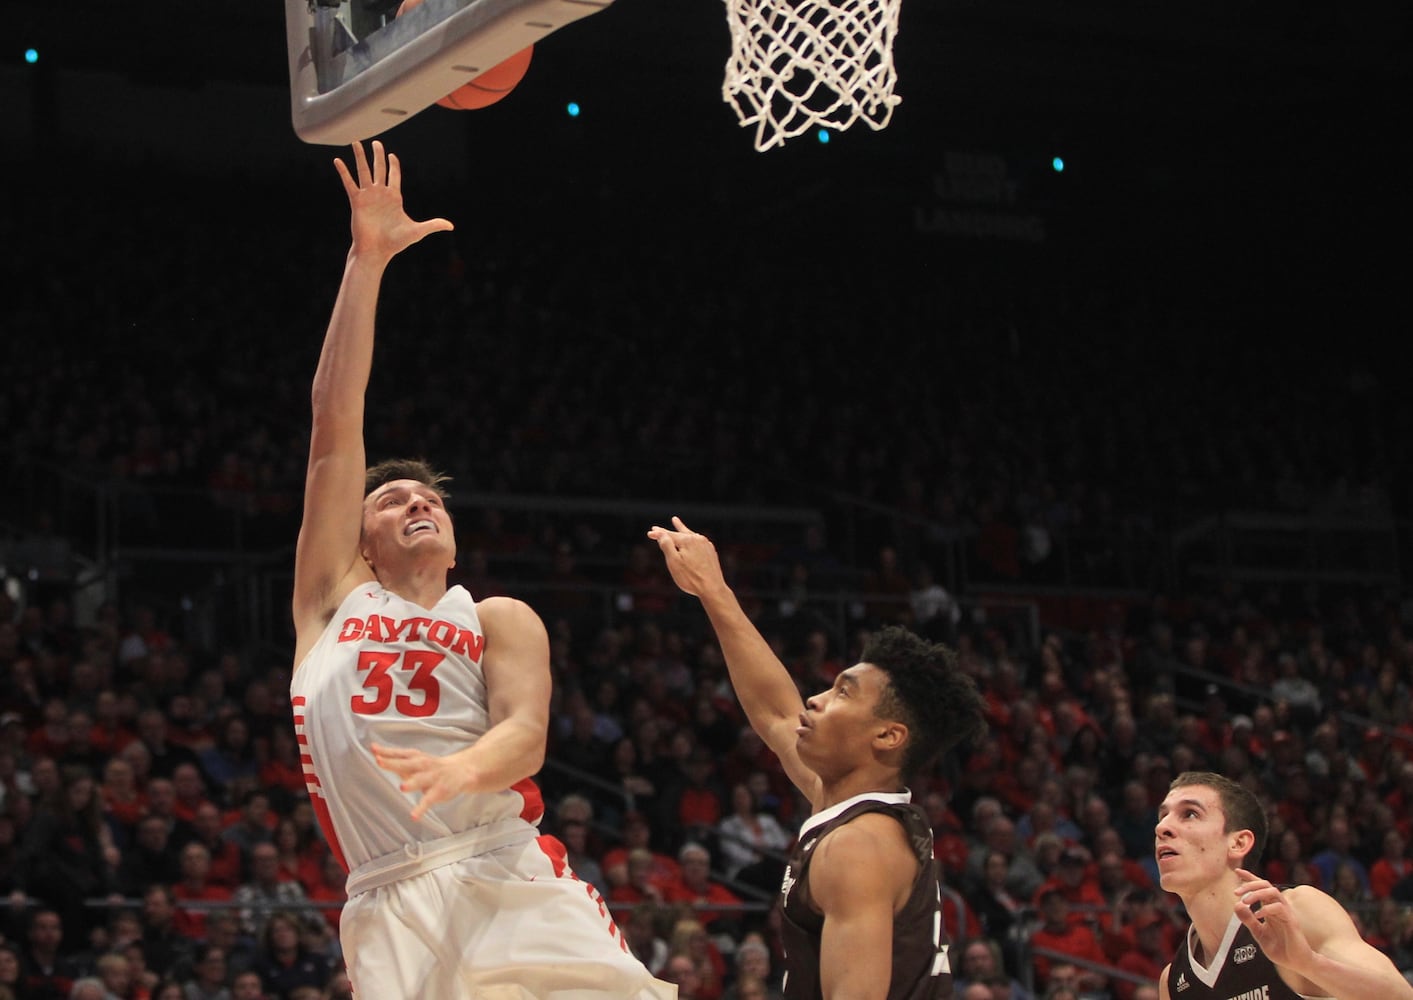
155, 838
154, 821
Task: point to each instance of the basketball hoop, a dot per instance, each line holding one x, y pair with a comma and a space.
800, 64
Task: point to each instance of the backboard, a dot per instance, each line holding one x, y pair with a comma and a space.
355, 70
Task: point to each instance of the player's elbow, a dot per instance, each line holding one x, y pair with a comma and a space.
532, 748
534, 760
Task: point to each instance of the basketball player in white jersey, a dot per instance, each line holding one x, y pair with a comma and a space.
421, 714
861, 908
1250, 938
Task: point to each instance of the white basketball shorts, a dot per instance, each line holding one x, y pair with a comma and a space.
511, 923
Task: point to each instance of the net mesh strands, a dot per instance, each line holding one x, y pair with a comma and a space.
801, 64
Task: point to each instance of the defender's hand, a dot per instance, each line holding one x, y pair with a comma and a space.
691, 558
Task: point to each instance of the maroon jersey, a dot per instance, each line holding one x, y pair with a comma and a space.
920, 967
1239, 970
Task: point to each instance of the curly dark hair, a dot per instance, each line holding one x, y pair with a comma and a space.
404, 468
927, 692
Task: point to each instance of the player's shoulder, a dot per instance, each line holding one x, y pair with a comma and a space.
512, 625
1307, 898
505, 611
1319, 913
1163, 982
868, 837
865, 857
1304, 894
313, 619
499, 603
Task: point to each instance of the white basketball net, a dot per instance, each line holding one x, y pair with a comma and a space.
801, 64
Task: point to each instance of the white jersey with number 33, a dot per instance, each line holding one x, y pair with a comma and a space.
392, 672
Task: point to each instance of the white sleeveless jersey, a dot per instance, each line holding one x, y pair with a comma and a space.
391, 672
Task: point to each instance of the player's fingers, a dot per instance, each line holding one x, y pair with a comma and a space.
433, 226
396, 753
349, 187
679, 524
380, 163
360, 161
418, 776
418, 773
1253, 899
1259, 890
429, 798
403, 767
394, 172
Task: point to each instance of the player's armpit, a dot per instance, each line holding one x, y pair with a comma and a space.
327, 562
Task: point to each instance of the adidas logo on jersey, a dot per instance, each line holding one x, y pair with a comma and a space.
1182, 983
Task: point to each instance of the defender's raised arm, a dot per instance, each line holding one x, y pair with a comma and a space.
764, 687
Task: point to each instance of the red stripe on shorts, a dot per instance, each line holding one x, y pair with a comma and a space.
558, 856
557, 853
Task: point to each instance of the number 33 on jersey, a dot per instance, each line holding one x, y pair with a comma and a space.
381, 670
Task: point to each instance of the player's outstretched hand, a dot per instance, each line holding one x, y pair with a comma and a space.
381, 228
1263, 908
436, 778
691, 558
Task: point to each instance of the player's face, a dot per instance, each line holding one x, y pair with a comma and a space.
839, 725
406, 518
1190, 843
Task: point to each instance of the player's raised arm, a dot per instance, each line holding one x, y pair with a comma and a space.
327, 558
766, 691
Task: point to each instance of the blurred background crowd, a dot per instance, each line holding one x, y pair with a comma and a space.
1060, 515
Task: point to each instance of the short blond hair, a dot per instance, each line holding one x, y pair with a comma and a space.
393, 469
